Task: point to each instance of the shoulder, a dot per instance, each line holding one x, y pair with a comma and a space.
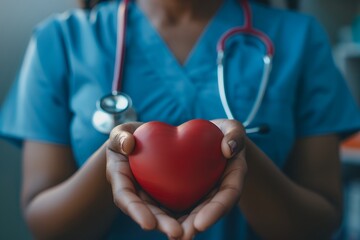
280, 14
284, 20
77, 22
292, 33
72, 33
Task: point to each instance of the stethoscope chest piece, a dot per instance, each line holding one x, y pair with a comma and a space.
112, 110
116, 108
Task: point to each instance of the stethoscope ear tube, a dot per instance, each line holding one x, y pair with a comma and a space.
247, 29
116, 108
259, 97
262, 88
221, 85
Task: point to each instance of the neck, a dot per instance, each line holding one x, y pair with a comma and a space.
173, 11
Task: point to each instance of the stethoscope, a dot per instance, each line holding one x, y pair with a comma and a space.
116, 108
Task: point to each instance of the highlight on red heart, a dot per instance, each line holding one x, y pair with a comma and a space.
178, 166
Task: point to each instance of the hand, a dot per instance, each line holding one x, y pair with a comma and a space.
142, 210
130, 199
231, 184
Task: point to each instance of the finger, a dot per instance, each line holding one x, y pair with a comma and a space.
146, 198
234, 136
213, 211
182, 218
165, 223
188, 227
187, 222
227, 196
121, 139
124, 191
117, 163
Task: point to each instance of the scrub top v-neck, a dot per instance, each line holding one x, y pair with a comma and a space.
174, 86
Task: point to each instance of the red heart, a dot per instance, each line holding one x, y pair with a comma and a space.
178, 166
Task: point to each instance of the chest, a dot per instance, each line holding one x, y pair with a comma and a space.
182, 37
161, 90
171, 76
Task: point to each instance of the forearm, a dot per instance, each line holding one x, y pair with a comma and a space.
81, 207
278, 208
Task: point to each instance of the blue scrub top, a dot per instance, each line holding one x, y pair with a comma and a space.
69, 66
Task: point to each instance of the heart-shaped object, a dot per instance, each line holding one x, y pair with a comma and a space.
177, 166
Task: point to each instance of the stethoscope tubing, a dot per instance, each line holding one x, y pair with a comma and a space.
259, 97
120, 46
247, 29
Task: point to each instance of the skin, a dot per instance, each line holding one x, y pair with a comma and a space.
146, 213
71, 203
305, 204
302, 202
53, 190
172, 18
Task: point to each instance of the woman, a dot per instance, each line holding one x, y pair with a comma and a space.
293, 187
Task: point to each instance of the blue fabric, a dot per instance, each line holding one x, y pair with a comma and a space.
69, 66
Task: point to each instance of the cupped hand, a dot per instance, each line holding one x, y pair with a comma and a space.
130, 199
221, 200
135, 203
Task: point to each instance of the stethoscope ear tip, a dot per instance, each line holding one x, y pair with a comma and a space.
261, 129
264, 129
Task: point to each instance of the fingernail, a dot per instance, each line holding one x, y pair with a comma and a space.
122, 141
232, 144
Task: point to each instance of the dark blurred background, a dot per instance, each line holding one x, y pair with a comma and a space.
341, 19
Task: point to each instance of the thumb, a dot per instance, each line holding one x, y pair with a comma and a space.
233, 141
121, 139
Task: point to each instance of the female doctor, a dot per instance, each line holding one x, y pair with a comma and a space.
76, 180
